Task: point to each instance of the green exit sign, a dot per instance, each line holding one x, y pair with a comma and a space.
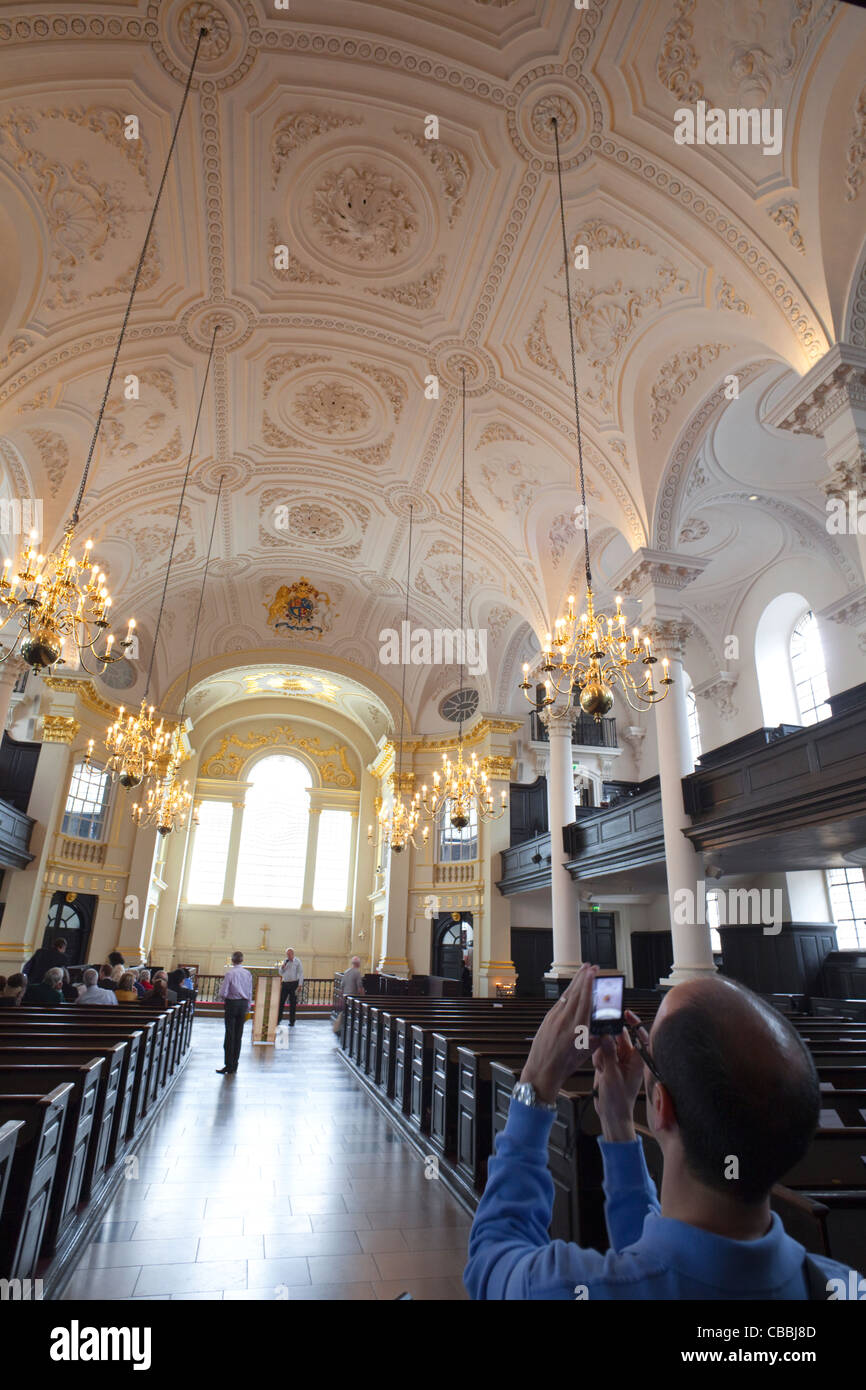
594, 907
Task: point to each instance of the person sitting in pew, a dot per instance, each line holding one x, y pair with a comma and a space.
158, 997
92, 994
106, 977
733, 1100
180, 982
143, 984
115, 958
49, 991
126, 992
13, 991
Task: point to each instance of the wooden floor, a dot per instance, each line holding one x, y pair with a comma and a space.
282, 1182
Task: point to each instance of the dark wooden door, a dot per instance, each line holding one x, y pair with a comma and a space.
73, 921
598, 939
532, 954
652, 955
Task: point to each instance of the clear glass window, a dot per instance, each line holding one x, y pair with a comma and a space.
458, 844
210, 847
334, 851
273, 848
809, 668
87, 803
847, 889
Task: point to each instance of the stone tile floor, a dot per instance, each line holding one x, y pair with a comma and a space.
282, 1182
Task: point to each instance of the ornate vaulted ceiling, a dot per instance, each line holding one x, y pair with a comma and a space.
348, 259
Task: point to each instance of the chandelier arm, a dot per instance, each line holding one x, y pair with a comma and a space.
555, 125
200, 601
202, 33
180, 509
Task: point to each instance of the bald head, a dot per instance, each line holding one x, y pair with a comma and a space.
741, 1081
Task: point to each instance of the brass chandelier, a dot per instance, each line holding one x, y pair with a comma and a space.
461, 785
168, 802
399, 824
136, 746
63, 599
589, 657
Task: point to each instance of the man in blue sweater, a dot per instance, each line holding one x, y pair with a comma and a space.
733, 1100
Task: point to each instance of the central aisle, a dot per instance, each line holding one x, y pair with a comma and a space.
284, 1181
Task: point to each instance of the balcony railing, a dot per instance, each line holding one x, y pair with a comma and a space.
80, 851
466, 872
585, 733
313, 994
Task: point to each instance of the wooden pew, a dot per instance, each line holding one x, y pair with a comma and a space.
78, 1130
135, 1077
35, 1169
106, 1101
9, 1132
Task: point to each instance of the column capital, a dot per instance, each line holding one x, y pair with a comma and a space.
719, 689
670, 635
833, 385
648, 570
59, 728
557, 720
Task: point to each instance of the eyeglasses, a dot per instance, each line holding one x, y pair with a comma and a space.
646, 1057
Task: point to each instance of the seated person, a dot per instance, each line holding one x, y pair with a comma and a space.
92, 994
49, 990
158, 996
126, 992
725, 1076
180, 982
143, 984
115, 958
106, 977
13, 991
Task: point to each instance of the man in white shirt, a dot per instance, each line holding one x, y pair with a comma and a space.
236, 993
352, 979
92, 994
292, 976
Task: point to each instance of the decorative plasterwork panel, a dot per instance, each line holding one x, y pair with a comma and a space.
787, 216
331, 763
675, 377
296, 128
856, 156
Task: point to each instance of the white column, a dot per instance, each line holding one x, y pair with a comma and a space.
693, 955
491, 959
137, 897
394, 959
564, 891
232, 856
310, 864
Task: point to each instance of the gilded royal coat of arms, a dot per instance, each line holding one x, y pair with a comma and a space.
301, 608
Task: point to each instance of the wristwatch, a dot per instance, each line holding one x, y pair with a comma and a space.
524, 1091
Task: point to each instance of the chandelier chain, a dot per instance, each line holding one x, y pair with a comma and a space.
180, 509
584, 518
135, 279
462, 546
200, 601
399, 790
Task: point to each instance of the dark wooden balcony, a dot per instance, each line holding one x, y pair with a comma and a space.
15, 832
526, 866
795, 802
627, 835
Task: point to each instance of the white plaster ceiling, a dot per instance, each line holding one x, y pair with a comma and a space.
409, 257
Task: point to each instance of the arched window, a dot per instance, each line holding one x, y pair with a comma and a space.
694, 722
87, 803
333, 856
810, 673
273, 848
456, 845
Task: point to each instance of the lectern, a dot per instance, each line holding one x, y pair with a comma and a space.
266, 1004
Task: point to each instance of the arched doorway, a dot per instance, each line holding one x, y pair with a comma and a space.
71, 916
452, 938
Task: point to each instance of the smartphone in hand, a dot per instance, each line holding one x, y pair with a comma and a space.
608, 992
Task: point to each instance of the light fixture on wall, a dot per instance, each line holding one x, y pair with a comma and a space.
63, 599
590, 656
399, 824
462, 785
136, 746
168, 803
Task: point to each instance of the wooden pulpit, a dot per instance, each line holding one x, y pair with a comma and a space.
266, 1004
